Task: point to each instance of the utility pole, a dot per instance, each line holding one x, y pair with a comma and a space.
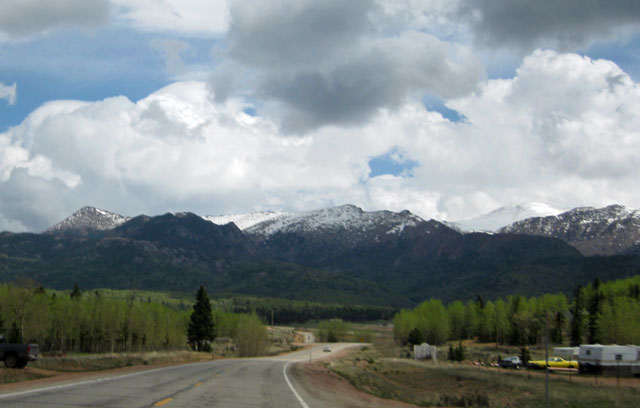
546, 360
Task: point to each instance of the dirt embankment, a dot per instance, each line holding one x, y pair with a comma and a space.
325, 385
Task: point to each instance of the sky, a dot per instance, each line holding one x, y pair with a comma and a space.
446, 108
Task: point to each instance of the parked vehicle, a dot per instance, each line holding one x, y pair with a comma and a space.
17, 355
327, 348
511, 362
554, 362
568, 353
613, 358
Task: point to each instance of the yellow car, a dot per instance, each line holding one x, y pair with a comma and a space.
554, 362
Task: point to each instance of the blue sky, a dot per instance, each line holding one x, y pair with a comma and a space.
447, 108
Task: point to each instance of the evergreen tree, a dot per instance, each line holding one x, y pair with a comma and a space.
14, 334
201, 323
525, 356
76, 294
577, 319
415, 337
595, 306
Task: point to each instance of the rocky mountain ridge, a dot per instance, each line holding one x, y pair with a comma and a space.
342, 254
614, 229
610, 230
88, 219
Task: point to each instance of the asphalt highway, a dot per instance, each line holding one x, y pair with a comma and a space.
257, 382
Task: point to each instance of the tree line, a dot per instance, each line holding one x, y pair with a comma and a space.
88, 322
604, 313
280, 311
91, 322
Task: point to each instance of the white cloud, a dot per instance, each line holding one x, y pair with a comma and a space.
9, 92
185, 17
564, 130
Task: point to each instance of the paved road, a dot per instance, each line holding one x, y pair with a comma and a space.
260, 382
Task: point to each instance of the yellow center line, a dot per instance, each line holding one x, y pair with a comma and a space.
162, 402
198, 384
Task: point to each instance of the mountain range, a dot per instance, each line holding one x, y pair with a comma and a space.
341, 254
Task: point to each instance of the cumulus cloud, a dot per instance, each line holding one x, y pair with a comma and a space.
187, 17
311, 64
22, 18
563, 130
9, 92
566, 24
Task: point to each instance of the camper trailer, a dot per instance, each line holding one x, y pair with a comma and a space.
595, 358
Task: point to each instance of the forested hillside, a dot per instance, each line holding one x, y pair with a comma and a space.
397, 268
607, 313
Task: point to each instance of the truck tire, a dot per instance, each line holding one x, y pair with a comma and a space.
11, 360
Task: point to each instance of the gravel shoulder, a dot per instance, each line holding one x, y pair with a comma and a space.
333, 390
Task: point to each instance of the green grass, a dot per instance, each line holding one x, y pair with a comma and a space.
450, 384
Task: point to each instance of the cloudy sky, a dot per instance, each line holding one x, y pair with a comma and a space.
447, 108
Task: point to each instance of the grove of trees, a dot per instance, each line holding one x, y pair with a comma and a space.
333, 330
604, 313
88, 322
91, 322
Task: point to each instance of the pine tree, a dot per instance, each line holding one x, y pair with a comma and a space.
201, 323
14, 334
577, 319
76, 294
416, 337
595, 306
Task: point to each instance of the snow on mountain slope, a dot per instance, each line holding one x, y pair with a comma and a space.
338, 219
609, 230
246, 220
88, 218
504, 216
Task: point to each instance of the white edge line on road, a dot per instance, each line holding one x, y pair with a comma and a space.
284, 371
97, 380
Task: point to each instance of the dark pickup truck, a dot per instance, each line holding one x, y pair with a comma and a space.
17, 355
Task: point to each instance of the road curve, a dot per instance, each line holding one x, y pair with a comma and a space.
257, 382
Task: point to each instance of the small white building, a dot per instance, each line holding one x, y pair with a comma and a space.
425, 352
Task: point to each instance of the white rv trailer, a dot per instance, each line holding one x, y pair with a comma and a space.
598, 358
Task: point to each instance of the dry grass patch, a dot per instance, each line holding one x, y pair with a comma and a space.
464, 385
11, 375
99, 362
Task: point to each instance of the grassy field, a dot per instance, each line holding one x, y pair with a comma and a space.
10, 375
466, 385
107, 361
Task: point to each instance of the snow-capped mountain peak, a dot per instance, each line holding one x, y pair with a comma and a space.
594, 231
246, 220
343, 218
89, 218
504, 216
